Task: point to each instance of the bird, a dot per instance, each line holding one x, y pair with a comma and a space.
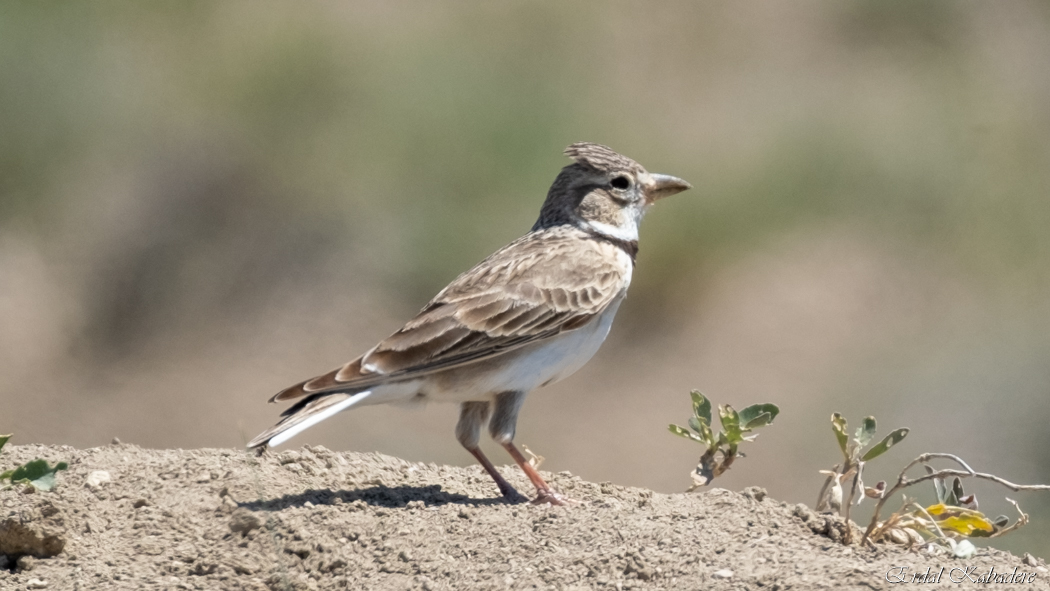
529, 315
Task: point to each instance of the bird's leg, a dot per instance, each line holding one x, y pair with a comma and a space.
501, 427
544, 493
468, 431
505, 488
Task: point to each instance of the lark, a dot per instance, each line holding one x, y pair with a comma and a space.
529, 315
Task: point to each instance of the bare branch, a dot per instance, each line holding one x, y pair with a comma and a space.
848, 537
1021, 521
903, 482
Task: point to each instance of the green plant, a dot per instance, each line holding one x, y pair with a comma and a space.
721, 449
851, 470
37, 473
949, 521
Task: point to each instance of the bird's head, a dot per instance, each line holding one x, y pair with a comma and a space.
604, 192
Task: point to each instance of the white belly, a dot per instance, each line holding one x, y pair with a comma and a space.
525, 369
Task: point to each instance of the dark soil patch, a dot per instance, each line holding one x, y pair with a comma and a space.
317, 519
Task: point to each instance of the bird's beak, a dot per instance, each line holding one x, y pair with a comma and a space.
664, 185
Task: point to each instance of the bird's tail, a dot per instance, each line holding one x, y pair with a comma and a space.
306, 414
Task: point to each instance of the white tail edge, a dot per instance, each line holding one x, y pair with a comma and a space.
317, 418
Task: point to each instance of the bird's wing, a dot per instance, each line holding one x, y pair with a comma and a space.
543, 284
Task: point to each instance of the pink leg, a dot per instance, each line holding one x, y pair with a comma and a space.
505, 487
544, 493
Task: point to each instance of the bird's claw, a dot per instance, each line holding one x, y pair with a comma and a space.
551, 497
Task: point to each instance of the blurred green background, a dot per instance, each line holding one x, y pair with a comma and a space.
201, 203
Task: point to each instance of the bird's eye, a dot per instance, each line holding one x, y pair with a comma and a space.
621, 182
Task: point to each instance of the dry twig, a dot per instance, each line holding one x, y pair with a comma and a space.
874, 530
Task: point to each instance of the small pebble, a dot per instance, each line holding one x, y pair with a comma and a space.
97, 478
288, 457
243, 521
36, 584
725, 573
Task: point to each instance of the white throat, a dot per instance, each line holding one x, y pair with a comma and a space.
627, 231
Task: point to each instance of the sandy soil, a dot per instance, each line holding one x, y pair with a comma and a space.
317, 519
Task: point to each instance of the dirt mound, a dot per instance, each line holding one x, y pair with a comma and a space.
317, 519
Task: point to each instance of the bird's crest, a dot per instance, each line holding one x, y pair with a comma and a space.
599, 157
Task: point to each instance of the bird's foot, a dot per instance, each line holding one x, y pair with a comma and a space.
551, 497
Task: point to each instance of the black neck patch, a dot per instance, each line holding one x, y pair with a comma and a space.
628, 246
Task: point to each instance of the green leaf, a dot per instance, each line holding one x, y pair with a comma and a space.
3, 440
760, 421
701, 406
884, 445
683, 432
838, 425
695, 424
752, 416
866, 432
38, 473
708, 435
957, 493
938, 485
722, 439
730, 423
6, 474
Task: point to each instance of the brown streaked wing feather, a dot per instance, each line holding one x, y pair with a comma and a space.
543, 284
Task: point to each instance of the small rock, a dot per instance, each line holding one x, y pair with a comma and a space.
289, 457
26, 563
36, 584
1030, 560
115, 441
97, 478
725, 573
755, 492
138, 504
203, 477
243, 521
204, 568
802, 512
29, 539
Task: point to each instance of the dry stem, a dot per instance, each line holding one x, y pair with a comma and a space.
903, 482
